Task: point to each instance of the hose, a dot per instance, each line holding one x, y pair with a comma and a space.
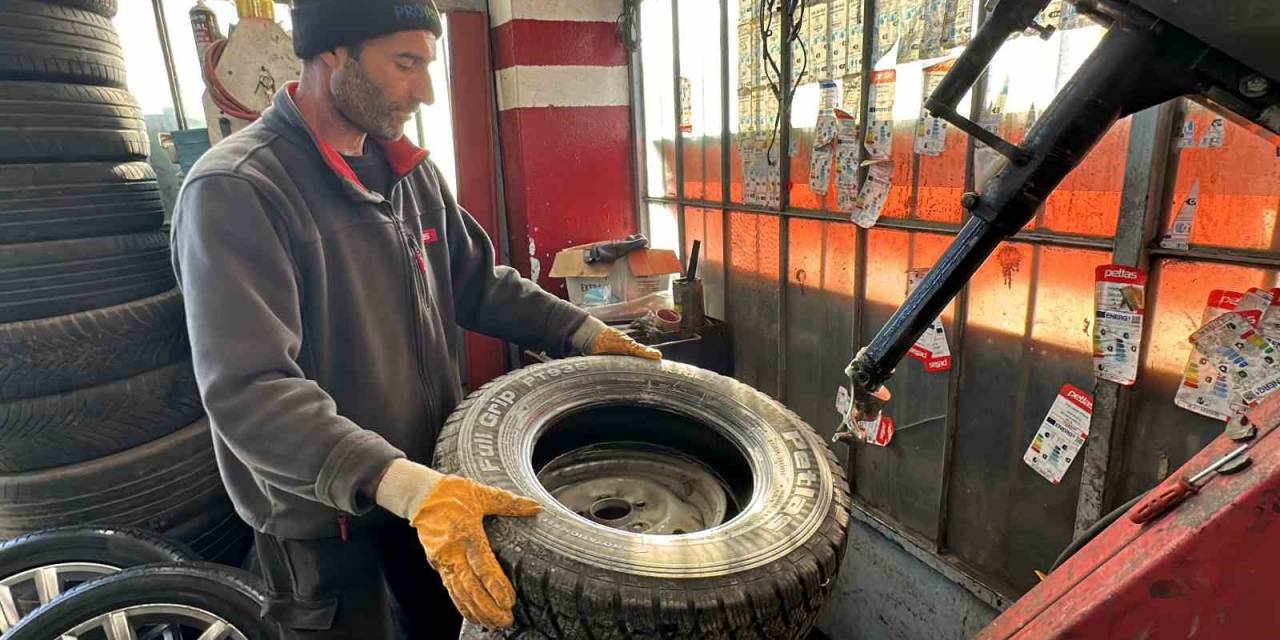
219, 93
1093, 531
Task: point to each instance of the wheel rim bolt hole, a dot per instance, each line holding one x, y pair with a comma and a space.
610, 509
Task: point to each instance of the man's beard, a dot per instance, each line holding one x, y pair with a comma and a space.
364, 103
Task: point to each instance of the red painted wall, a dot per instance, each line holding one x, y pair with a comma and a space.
476, 148
567, 165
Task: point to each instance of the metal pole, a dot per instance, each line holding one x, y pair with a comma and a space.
162, 30
952, 424
726, 177
679, 139
1141, 205
640, 166
725, 133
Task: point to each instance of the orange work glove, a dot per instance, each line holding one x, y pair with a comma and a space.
612, 342
450, 524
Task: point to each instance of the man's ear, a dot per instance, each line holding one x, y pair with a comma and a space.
335, 57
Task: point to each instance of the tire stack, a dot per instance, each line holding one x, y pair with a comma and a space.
100, 419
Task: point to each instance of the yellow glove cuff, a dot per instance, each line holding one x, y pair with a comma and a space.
405, 486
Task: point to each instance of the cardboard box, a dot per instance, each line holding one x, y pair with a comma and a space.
639, 273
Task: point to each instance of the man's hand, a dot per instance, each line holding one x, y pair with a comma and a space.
612, 342
450, 524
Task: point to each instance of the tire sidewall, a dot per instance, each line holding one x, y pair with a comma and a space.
490, 440
230, 594
114, 547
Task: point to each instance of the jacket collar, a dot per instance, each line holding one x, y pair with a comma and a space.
403, 156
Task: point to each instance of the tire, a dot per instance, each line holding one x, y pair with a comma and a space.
105, 8
40, 202
65, 353
46, 279
50, 42
763, 573
65, 429
226, 540
157, 486
231, 595
54, 43
36, 265
111, 549
55, 122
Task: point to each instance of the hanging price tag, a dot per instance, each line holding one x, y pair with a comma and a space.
1187, 135
853, 37
1248, 359
1270, 324
935, 17
877, 431
825, 131
887, 20
872, 195
825, 128
911, 27
686, 106
993, 116
931, 132
1073, 19
1259, 389
846, 161
817, 29
1119, 295
1215, 135
880, 114
1254, 304
1205, 386
1180, 232
820, 170
958, 24
1057, 443
851, 102
932, 348
838, 17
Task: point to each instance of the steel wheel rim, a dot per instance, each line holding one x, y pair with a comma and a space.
123, 623
638, 488
49, 581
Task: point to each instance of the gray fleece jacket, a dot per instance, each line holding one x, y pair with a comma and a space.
324, 318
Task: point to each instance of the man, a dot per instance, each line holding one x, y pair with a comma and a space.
326, 270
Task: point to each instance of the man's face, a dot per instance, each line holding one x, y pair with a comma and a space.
381, 85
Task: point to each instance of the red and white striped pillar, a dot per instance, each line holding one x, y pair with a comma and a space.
565, 119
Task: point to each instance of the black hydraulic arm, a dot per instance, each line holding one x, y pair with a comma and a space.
1139, 63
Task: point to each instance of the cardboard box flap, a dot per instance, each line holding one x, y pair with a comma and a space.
569, 263
654, 262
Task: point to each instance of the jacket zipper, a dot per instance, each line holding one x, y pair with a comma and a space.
417, 265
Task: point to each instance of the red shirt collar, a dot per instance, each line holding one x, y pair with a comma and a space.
402, 155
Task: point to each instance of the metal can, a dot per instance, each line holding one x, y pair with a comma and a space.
256, 9
204, 26
687, 295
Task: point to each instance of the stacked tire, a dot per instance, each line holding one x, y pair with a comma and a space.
100, 419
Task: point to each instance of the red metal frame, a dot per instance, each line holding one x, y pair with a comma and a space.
476, 144
1206, 569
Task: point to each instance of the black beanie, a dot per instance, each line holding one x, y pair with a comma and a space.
324, 25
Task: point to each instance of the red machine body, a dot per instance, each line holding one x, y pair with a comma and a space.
1206, 569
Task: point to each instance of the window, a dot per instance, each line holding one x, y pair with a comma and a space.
148, 81
803, 288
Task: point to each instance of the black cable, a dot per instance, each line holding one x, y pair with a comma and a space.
798, 9
1093, 531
